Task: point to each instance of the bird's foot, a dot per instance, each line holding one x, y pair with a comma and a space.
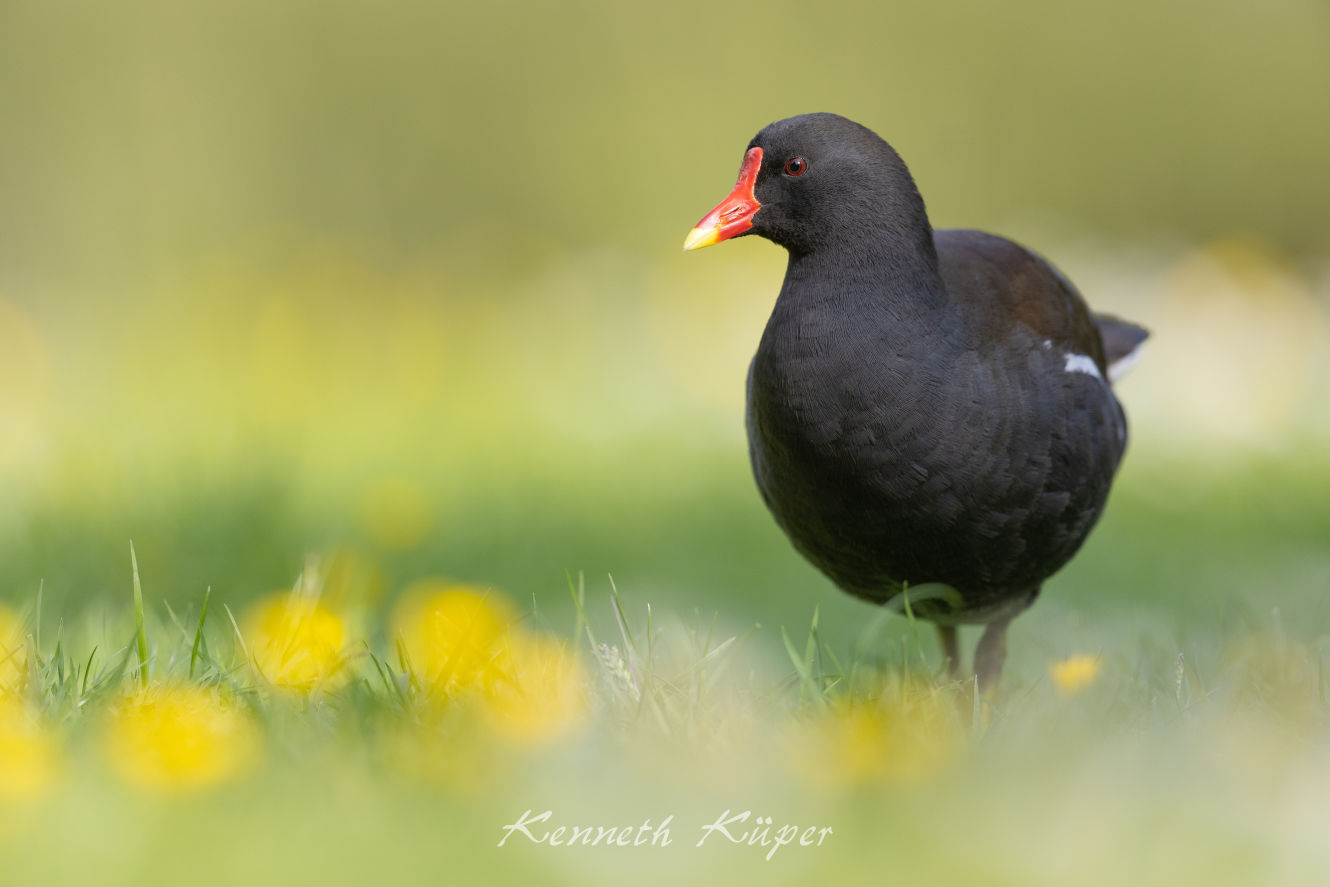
989, 656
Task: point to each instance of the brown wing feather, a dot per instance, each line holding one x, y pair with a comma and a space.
1008, 285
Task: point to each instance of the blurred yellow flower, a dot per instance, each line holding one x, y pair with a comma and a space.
28, 754
542, 694
462, 648
452, 635
13, 653
180, 737
296, 642
1074, 673
903, 736
396, 513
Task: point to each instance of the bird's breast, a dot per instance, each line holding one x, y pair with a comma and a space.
890, 459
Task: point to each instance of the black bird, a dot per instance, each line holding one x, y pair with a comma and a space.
928, 411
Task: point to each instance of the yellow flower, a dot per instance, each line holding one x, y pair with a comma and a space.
902, 736
28, 755
296, 642
451, 635
1074, 673
13, 653
180, 737
542, 694
463, 649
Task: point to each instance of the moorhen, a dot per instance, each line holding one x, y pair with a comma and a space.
929, 414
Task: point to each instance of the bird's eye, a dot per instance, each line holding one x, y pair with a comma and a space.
796, 166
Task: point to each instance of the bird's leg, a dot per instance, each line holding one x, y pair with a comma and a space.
990, 654
952, 653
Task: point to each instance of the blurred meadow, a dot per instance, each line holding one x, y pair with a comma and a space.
345, 298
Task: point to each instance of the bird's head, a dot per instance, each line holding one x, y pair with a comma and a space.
813, 180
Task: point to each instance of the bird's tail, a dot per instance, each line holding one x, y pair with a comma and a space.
1122, 343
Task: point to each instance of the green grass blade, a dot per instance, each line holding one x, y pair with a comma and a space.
802, 666
141, 631
240, 637
578, 593
87, 670
198, 632
37, 618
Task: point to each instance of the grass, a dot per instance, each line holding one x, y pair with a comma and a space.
1191, 755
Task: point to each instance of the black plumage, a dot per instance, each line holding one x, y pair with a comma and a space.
925, 409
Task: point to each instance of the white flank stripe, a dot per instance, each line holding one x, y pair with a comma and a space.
1079, 363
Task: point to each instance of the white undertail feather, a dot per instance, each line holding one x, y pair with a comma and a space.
1118, 368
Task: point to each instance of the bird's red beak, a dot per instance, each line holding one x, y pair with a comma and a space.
734, 214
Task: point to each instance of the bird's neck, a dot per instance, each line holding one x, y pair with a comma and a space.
887, 274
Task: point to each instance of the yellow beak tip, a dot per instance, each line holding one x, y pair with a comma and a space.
700, 237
